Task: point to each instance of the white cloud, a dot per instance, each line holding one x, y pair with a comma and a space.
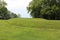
18, 6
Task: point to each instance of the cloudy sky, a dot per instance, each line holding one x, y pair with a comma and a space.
18, 7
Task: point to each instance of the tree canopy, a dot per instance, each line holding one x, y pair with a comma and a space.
48, 9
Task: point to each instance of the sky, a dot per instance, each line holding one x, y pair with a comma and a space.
19, 7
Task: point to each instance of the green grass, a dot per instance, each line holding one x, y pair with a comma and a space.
29, 29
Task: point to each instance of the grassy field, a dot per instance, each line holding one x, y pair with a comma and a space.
29, 29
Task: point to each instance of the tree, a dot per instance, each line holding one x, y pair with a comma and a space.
48, 9
4, 12
13, 15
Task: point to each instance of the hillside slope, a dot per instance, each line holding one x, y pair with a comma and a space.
29, 29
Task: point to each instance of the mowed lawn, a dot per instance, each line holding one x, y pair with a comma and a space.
29, 29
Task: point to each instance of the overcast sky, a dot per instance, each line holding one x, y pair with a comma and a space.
18, 7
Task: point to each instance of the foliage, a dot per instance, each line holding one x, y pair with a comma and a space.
48, 9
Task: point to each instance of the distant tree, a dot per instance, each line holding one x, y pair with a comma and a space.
13, 15
48, 9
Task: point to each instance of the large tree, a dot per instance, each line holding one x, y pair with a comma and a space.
48, 9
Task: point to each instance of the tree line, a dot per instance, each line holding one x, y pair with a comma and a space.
47, 9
